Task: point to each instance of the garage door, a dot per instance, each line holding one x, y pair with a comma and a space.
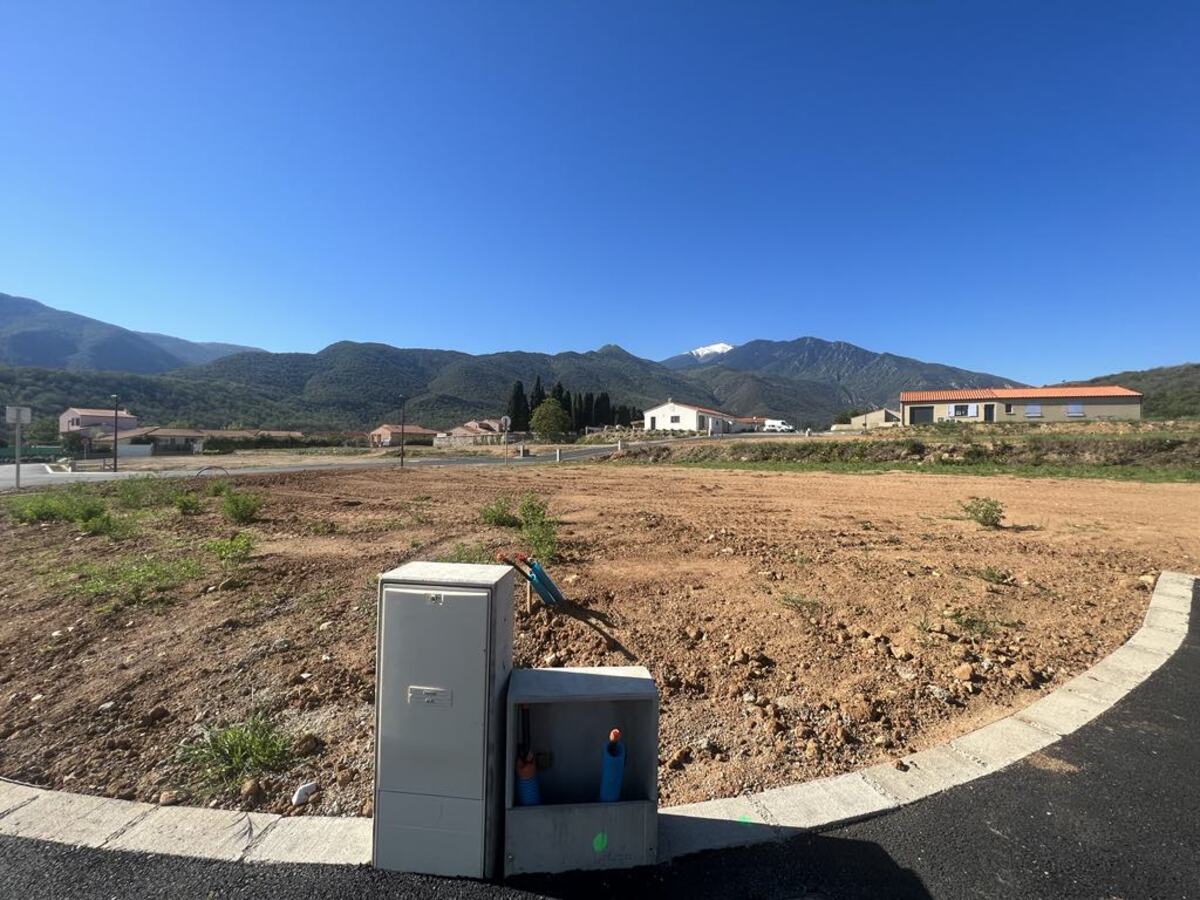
920, 415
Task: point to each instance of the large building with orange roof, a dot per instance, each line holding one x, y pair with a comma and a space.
1061, 403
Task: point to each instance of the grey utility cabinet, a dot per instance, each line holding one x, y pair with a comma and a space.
444, 655
569, 713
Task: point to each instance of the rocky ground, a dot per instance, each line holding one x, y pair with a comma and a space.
798, 625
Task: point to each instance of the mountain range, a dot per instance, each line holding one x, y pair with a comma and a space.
50, 359
33, 334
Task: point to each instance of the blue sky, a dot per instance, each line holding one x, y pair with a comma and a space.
1012, 187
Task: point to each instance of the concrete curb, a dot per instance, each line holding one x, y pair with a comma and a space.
103, 823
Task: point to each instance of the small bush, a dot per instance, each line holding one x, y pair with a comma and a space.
232, 551
240, 507
984, 510
73, 504
499, 512
230, 754
144, 492
463, 553
216, 487
188, 503
538, 529
321, 526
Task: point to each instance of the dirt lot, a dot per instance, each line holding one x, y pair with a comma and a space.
798, 624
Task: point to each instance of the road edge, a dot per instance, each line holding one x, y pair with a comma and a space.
104, 823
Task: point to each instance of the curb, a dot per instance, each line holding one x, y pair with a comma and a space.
108, 824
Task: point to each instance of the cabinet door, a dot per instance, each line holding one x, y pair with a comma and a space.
432, 691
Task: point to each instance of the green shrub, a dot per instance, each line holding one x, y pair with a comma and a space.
232, 551
807, 605
188, 503
144, 492
73, 504
538, 529
464, 553
984, 510
216, 487
499, 512
230, 754
240, 507
137, 583
321, 526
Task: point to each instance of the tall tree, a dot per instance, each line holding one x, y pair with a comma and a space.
518, 408
550, 418
559, 394
589, 409
537, 396
577, 411
603, 409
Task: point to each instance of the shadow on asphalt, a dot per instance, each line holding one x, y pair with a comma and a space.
810, 866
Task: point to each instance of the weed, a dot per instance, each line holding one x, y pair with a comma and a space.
188, 503
984, 510
463, 553
240, 507
138, 583
499, 512
229, 754
996, 576
807, 605
977, 625
232, 551
321, 526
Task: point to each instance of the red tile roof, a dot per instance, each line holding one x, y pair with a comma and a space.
86, 411
406, 429
1078, 392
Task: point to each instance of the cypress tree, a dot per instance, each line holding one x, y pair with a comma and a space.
518, 408
559, 394
538, 395
589, 409
604, 415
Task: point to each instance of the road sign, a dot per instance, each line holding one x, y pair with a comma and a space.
505, 423
18, 415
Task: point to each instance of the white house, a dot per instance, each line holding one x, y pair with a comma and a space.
672, 416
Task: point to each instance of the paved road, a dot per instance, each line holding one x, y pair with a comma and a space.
1109, 812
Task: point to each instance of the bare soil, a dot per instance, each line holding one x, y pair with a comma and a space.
798, 625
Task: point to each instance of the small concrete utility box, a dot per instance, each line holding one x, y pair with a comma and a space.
444, 657
567, 714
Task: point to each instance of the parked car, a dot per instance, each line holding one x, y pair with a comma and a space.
779, 425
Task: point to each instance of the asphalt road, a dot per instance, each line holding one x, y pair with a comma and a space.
1109, 812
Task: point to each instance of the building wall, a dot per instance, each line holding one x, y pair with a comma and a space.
662, 415
66, 422
1123, 408
876, 418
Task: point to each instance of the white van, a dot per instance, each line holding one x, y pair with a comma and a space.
777, 425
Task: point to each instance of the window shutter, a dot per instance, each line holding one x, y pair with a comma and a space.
972, 409
950, 410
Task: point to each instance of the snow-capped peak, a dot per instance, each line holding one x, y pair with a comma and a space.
710, 350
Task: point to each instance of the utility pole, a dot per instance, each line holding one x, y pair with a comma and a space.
116, 425
18, 416
403, 430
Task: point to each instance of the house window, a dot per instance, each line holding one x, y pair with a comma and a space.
674, 420
1074, 409
962, 409
1033, 410
1008, 409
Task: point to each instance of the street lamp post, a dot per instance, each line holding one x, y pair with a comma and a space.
116, 425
